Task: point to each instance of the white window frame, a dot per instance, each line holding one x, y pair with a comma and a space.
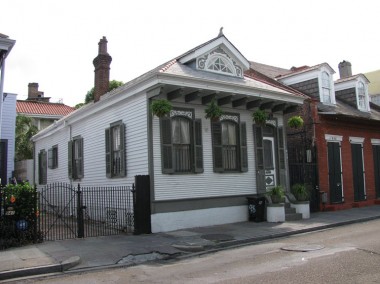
225, 59
364, 106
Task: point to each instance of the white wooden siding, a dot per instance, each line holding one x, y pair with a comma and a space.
92, 129
8, 129
207, 184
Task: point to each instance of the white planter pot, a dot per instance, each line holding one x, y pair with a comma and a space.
302, 207
276, 213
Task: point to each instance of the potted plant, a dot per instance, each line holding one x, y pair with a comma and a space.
213, 111
161, 107
301, 204
276, 209
277, 194
260, 116
295, 122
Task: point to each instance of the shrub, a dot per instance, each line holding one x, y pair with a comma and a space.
161, 107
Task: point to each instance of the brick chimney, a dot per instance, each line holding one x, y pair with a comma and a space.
345, 69
102, 70
34, 94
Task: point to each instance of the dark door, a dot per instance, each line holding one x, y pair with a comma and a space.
335, 172
3, 161
376, 159
358, 171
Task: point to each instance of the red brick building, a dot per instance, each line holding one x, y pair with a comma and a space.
337, 152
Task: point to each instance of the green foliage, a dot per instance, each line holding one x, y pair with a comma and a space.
79, 105
295, 122
213, 111
277, 194
161, 107
300, 192
90, 94
18, 224
25, 129
260, 116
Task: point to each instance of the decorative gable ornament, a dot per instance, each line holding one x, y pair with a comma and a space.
219, 61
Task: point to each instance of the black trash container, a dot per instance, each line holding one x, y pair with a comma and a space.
256, 208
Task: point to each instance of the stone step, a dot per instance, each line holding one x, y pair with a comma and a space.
293, 216
289, 210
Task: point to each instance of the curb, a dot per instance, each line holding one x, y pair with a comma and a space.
249, 241
60, 267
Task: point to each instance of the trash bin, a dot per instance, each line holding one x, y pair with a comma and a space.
256, 208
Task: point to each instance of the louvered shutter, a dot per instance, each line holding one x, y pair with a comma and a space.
198, 147
70, 159
81, 162
260, 171
108, 152
166, 146
217, 147
243, 148
123, 168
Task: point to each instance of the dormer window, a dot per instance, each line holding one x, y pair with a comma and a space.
326, 89
362, 102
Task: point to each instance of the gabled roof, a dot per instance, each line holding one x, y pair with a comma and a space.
352, 78
42, 108
303, 69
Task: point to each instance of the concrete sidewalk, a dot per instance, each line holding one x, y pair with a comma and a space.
79, 254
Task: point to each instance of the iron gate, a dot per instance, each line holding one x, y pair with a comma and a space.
303, 167
66, 211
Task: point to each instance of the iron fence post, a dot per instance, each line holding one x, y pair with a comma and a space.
80, 213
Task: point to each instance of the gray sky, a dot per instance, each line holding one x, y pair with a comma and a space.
56, 41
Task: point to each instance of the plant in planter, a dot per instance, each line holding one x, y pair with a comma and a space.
213, 111
300, 192
295, 122
260, 117
161, 107
277, 194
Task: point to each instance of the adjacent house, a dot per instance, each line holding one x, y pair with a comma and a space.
200, 170
40, 109
7, 116
337, 151
374, 86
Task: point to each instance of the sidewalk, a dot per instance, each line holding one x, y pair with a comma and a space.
77, 254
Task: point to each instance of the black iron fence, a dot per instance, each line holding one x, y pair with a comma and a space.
67, 211
18, 215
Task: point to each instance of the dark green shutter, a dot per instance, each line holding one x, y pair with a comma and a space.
217, 147
123, 170
108, 152
260, 171
70, 159
40, 167
166, 146
243, 148
281, 156
81, 162
50, 158
198, 147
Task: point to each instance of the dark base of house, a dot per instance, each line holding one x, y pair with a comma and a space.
345, 206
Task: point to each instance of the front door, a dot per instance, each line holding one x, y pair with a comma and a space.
3, 161
269, 163
358, 172
376, 160
335, 172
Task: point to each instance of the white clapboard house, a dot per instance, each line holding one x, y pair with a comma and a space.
200, 170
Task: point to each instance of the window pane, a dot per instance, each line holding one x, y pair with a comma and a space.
116, 138
181, 144
268, 158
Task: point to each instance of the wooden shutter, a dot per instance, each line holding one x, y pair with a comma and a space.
123, 170
260, 170
198, 147
166, 145
281, 156
80, 157
50, 158
44, 167
70, 159
108, 152
217, 147
243, 148
40, 167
